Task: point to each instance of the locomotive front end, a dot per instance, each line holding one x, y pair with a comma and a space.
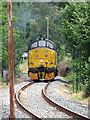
42, 60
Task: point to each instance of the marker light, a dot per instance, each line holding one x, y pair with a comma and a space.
46, 55
36, 55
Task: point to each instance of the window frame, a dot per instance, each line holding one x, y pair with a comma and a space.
46, 40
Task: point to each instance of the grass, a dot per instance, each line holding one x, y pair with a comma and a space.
77, 97
70, 77
2, 83
24, 67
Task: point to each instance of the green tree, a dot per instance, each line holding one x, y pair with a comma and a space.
75, 32
19, 43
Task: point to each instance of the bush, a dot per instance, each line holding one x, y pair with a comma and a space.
70, 77
87, 90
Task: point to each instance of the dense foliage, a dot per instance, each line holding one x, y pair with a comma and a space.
18, 41
75, 31
68, 28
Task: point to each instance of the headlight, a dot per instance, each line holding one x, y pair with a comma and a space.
41, 60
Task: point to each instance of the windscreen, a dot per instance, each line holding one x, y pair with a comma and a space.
41, 43
50, 45
34, 45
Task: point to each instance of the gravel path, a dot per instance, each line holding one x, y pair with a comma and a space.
65, 102
5, 104
37, 105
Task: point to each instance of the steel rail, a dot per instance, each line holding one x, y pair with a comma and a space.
59, 107
20, 103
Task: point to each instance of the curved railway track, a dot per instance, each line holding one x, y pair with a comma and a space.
49, 100
61, 108
20, 103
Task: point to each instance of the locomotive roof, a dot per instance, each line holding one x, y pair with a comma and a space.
42, 39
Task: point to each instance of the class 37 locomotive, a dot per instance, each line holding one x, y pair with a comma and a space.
42, 60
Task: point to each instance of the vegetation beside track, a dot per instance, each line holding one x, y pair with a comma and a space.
24, 66
67, 92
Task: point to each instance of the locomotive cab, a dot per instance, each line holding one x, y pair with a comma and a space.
42, 60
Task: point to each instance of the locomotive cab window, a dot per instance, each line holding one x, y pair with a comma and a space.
34, 45
50, 45
42, 43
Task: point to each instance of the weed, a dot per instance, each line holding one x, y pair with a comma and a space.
78, 97
2, 83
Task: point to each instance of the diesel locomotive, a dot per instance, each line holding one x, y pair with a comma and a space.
42, 60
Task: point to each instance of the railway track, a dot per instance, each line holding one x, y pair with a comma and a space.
61, 108
20, 103
20, 95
